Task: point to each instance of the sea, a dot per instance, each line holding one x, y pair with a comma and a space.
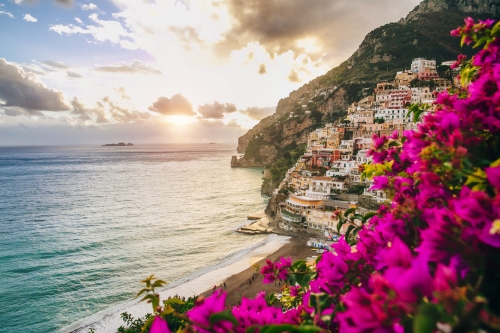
80, 226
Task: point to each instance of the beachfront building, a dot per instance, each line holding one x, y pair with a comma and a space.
295, 210
321, 220
323, 187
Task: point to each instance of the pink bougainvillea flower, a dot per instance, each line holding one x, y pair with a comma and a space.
331, 273
159, 326
380, 183
493, 175
200, 314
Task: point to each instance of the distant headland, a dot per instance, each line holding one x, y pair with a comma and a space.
121, 144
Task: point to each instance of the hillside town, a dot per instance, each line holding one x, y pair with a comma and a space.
327, 178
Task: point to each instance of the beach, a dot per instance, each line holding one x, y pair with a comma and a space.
234, 271
237, 285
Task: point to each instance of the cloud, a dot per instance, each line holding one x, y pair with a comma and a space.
66, 3
187, 35
78, 20
84, 113
233, 123
90, 6
6, 13
215, 110
121, 92
29, 18
23, 92
262, 69
73, 75
258, 113
56, 64
124, 115
178, 105
132, 68
102, 31
321, 28
211, 123
293, 76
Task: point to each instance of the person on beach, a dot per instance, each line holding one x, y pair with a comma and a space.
224, 284
215, 287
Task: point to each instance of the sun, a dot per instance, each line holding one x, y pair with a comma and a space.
180, 120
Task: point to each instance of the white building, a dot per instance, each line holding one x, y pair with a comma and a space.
322, 187
420, 65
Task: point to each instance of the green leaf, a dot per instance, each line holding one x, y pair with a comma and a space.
223, 315
251, 329
147, 324
349, 229
427, 316
168, 310
308, 329
319, 301
481, 41
394, 144
495, 31
303, 279
368, 216
158, 283
174, 300
339, 225
144, 290
349, 211
277, 329
299, 265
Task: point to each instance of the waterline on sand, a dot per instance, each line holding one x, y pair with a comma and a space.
109, 320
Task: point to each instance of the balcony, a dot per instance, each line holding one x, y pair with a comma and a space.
291, 217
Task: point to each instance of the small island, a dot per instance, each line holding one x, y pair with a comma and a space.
121, 144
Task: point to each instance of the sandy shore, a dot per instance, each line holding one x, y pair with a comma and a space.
195, 284
237, 285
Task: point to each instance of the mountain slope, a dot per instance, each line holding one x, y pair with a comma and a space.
383, 52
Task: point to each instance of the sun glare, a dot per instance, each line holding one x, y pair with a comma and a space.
180, 120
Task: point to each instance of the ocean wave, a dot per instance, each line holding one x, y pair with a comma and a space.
193, 284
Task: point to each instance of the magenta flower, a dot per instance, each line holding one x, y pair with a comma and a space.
398, 255
411, 284
446, 278
482, 214
493, 175
380, 183
487, 23
256, 312
376, 312
277, 270
200, 315
331, 271
159, 326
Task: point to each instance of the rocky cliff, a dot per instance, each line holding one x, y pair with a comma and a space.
472, 7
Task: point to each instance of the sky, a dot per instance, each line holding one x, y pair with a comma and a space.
166, 71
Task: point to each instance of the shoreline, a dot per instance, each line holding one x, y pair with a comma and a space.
237, 285
235, 271
196, 283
